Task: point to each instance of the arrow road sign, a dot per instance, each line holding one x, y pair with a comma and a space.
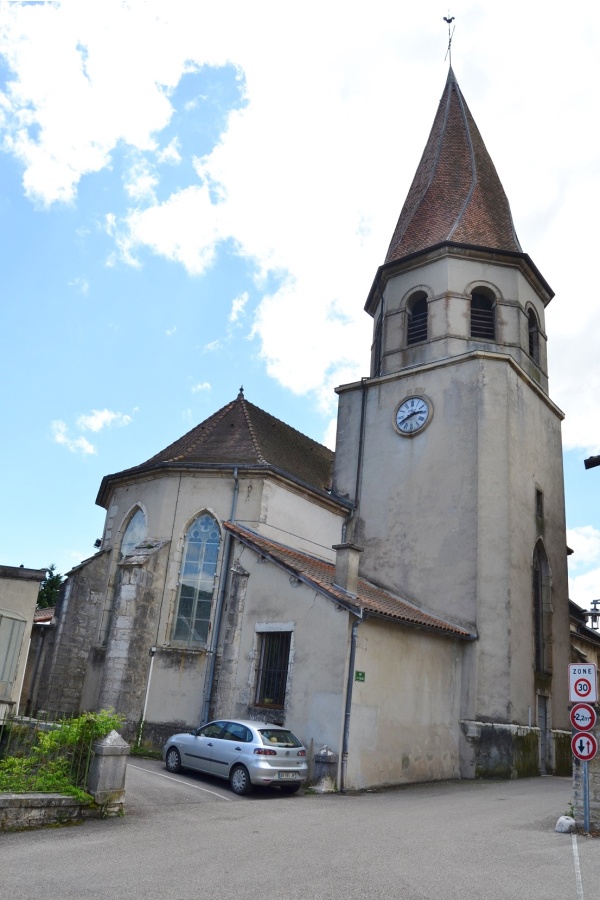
584, 746
583, 717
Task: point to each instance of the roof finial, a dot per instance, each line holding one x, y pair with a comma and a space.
240, 396
449, 19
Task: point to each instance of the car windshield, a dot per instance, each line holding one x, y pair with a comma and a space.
279, 736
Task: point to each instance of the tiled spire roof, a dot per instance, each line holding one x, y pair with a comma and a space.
242, 434
456, 194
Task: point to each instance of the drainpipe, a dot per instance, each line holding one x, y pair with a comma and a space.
212, 652
143, 719
349, 687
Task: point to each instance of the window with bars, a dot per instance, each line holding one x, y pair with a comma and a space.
417, 320
273, 662
196, 582
483, 324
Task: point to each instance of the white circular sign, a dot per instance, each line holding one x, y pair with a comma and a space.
583, 717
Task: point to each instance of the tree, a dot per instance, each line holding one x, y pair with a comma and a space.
49, 589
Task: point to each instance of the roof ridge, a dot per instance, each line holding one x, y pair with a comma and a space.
465, 205
250, 425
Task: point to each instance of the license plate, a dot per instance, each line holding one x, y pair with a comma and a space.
287, 775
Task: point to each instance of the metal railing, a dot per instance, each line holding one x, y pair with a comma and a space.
41, 753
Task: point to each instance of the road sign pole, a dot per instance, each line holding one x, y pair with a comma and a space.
586, 798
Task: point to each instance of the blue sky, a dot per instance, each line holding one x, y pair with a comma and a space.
198, 198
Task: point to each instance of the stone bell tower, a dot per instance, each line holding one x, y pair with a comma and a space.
451, 448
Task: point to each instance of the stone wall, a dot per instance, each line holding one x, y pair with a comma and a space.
594, 788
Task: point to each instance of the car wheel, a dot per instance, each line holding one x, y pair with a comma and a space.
173, 760
289, 788
240, 780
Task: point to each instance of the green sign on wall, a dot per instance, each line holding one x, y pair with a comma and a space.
359, 676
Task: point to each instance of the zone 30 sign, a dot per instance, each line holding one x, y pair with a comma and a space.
583, 683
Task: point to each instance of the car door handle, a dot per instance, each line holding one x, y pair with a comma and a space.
209, 744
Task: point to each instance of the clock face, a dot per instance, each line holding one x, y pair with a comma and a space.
413, 415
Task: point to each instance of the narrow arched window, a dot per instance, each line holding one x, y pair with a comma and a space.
483, 324
377, 347
416, 330
534, 336
542, 611
134, 533
196, 581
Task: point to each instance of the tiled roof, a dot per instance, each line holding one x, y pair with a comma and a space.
242, 434
369, 599
456, 194
43, 616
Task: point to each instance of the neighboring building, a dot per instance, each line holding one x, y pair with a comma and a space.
404, 604
19, 588
585, 641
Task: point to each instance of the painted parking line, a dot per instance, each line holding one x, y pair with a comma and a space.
178, 781
578, 880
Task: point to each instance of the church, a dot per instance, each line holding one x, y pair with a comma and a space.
402, 602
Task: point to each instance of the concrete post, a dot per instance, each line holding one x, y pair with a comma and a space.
106, 778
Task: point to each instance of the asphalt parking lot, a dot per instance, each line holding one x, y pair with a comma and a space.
187, 836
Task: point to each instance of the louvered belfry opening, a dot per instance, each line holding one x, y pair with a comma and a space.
273, 669
483, 325
417, 321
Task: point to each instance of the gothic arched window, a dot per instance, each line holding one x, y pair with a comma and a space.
483, 324
416, 330
134, 533
196, 581
534, 336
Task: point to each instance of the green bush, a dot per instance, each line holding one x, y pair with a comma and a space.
58, 759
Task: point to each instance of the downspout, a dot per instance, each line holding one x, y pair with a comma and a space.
212, 652
349, 686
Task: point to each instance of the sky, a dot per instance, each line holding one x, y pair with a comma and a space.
196, 196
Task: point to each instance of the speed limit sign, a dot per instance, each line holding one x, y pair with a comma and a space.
583, 683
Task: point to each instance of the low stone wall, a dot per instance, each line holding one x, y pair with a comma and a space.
106, 785
21, 811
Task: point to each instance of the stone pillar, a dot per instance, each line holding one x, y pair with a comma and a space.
106, 778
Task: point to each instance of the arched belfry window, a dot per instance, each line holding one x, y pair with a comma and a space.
542, 611
416, 329
534, 336
483, 317
196, 581
134, 533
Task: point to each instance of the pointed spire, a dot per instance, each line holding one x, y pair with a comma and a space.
456, 194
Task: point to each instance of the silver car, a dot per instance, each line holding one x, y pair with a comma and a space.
244, 752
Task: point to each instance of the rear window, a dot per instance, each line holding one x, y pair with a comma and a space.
279, 736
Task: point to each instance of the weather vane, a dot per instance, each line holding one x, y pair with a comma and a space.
449, 19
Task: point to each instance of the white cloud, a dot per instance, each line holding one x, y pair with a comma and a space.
202, 386
141, 181
75, 445
237, 307
170, 154
585, 543
102, 418
171, 331
81, 285
212, 346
